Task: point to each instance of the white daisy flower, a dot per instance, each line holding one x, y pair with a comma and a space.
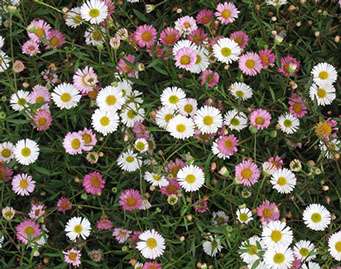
94, 36
304, 250
66, 96
324, 93
283, 180
4, 61
250, 250
110, 98
156, 179
188, 106
125, 86
288, 123
202, 61
276, 233
316, 217
94, 11
105, 122
226, 50
241, 91
26, 151
181, 127
23, 184
324, 73
219, 218
151, 244
310, 265
244, 215
131, 114
334, 244
330, 148
77, 227
171, 97
186, 25
129, 161
278, 258
235, 120
164, 115
73, 17
141, 145
191, 178
6, 151
19, 100
208, 119
212, 246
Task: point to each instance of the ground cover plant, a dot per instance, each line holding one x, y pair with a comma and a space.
170, 134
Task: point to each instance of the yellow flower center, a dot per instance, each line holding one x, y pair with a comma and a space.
246, 173
94, 12
188, 108
96, 35
40, 100
267, 213
226, 52
75, 143
181, 128
282, 181
65, 97
29, 231
42, 121
146, 36
316, 217
78, 229
105, 121
173, 99
6, 153
131, 114
287, 123
131, 201
168, 117
87, 138
23, 184
240, 93
139, 146
208, 120
39, 32
226, 14
252, 250
151, 243
111, 100
235, 122
130, 159
322, 93
259, 120
304, 252
95, 182
276, 236
185, 59
250, 63
156, 177
228, 144
323, 75
26, 152
338, 246
190, 179
21, 101
54, 42
279, 258
72, 256
243, 217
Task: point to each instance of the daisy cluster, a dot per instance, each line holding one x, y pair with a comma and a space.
170, 134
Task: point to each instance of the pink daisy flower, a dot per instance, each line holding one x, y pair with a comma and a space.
104, 224
73, 257
37, 211
40, 95
23, 184
93, 183
89, 139
197, 36
204, 16
173, 167
241, 38
151, 265
260, 118
134, 236
30, 47
250, 64
140, 130
225, 146
145, 36
289, 66
38, 30
27, 231
201, 206
169, 36
172, 188
121, 235
226, 13
273, 164
85, 80
126, 66
267, 57
63, 204
267, 212
5, 173
186, 25
130, 200
55, 39
185, 58
247, 173
111, 7
73, 143
296, 264
209, 77
42, 120
297, 106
